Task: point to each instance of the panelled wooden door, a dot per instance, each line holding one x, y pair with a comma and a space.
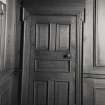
52, 60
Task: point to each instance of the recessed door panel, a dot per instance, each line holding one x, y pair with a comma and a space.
40, 92
42, 36
52, 66
62, 38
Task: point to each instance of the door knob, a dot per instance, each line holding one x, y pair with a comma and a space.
67, 56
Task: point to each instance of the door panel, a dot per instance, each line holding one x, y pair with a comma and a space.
42, 36
40, 92
61, 97
62, 38
53, 60
52, 66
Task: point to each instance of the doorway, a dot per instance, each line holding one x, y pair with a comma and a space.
52, 60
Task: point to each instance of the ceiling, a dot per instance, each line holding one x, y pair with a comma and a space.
44, 6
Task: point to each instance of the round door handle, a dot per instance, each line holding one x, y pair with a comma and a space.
67, 56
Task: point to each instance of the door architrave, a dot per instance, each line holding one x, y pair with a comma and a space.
80, 19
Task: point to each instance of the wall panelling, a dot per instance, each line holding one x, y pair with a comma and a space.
94, 53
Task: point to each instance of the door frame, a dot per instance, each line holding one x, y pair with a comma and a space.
26, 53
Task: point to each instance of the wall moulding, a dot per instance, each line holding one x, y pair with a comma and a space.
99, 33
